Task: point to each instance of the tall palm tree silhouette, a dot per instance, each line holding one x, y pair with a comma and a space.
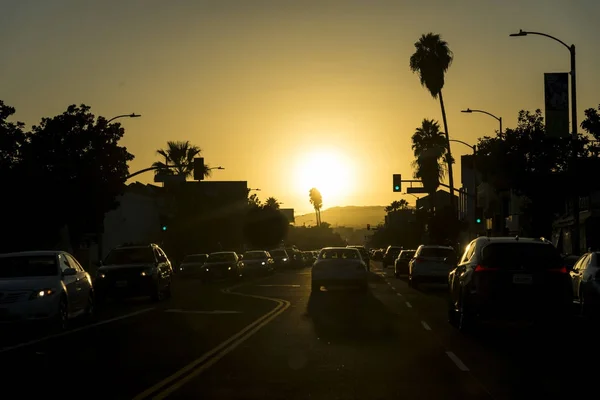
431, 61
179, 159
316, 199
429, 148
272, 202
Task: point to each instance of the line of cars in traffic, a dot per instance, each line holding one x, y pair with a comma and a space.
499, 278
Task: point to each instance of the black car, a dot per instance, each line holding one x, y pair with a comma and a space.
134, 271
390, 255
401, 263
258, 262
222, 265
509, 278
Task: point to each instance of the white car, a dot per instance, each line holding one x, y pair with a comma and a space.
43, 286
431, 264
339, 266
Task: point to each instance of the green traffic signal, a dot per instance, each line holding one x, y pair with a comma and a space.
478, 220
164, 228
397, 188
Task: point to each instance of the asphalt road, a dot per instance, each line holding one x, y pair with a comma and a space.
272, 339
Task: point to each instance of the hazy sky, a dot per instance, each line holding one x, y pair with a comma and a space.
269, 88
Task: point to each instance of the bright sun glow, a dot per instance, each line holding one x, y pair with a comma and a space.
328, 171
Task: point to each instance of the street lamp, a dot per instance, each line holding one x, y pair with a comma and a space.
132, 115
571, 49
499, 119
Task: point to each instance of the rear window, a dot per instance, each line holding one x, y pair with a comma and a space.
332, 254
528, 255
407, 255
436, 252
28, 266
394, 250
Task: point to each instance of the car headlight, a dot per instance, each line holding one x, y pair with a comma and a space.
263, 263
42, 293
285, 259
100, 275
229, 268
148, 272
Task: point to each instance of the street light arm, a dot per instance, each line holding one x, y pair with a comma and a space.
132, 115
524, 33
484, 112
465, 143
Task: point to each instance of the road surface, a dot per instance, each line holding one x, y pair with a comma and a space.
272, 339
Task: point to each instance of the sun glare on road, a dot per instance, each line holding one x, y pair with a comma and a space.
327, 170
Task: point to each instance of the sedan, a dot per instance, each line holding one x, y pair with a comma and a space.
339, 266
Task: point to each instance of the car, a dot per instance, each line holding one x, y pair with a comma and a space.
402, 261
258, 262
129, 271
192, 264
223, 265
364, 254
431, 264
339, 266
509, 278
281, 258
390, 255
585, 275
48, 287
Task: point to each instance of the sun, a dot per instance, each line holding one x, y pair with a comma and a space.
328, 171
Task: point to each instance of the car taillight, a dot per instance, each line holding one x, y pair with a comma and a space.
562, 270
481, 268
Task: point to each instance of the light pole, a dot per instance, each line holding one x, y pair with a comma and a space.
474, 148
571, 48
99, 235
499, 119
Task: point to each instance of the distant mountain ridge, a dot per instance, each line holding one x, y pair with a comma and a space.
349, 216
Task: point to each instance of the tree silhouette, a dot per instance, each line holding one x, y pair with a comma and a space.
316, 199
78, 168
273, 203
179, 159
429, 148
431, 61
397, 205
265, 227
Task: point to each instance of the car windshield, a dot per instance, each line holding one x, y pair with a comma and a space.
529, 255
278, 253
195, 258
28, 266
134, 255
437, 252
221, 257
255, 255
333, 254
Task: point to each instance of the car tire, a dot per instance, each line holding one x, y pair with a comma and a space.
90, 309
61, 321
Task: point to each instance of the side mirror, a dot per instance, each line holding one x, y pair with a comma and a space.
69, 272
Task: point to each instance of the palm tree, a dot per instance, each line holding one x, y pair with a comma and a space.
272, 202
431, 61
316, 199
179, 159
397, 205
429, 148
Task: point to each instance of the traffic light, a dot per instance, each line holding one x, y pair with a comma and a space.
164, 223
163, 228
478, 215
199, 168
397, 182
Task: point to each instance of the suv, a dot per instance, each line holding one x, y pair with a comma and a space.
507, 277
431, 264
134, 271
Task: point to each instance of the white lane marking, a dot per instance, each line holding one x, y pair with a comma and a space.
425, 325
399, 294
69, 332
457, 361
408, 305
202, 312
279, 285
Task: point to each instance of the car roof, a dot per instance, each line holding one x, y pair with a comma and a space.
255, 251
223, 252
431, 246
339, 248
32, 253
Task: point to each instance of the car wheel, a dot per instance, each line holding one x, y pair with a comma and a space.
90, 309
62, 317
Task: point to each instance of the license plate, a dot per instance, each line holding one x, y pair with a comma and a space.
522, 279
121, 283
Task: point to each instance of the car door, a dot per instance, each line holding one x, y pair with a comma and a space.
83, 284
70, 282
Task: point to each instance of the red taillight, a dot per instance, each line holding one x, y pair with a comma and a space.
562, 270
481, 268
